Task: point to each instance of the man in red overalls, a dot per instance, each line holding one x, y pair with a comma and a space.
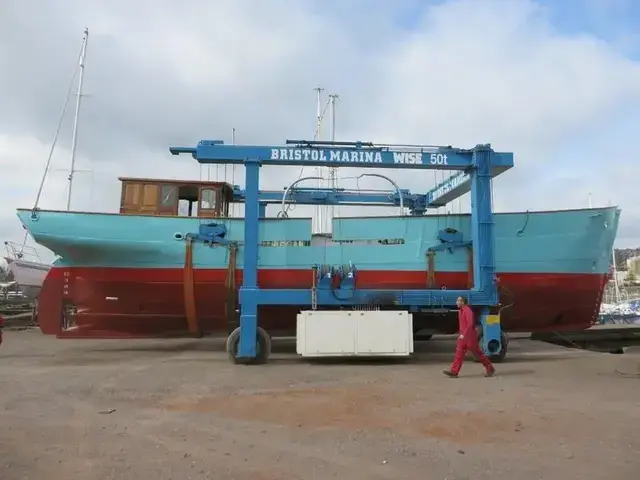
467, 341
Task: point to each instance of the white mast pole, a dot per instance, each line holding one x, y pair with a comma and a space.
74, 141
616, 286
318, 136
319, 91
334, 97
333, 172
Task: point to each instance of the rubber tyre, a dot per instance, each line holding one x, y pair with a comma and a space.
499, 358
263, 347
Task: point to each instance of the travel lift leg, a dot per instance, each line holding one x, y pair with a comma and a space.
250, 343
483, 242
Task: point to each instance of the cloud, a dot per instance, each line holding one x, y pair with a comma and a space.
166, 73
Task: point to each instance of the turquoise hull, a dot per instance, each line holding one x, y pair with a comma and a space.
572, 241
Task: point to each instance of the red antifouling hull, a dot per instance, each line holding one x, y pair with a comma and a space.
124, 302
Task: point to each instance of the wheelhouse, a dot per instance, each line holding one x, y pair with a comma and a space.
145, 196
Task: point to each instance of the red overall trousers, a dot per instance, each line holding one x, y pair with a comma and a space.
468, 342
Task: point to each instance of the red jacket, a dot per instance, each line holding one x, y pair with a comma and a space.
467, 324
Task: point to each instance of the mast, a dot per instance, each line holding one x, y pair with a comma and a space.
616, 285
319, 91
74, 141
333, 172
57, 133
319, 170
333, 97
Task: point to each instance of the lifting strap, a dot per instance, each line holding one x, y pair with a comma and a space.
469, 268
189, 290
231, 303
431, 269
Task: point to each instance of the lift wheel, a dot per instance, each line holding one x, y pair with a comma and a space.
500, 356
263, 347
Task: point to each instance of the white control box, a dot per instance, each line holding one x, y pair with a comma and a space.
348, 333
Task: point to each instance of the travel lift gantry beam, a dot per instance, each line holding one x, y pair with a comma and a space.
249, 342
446, 191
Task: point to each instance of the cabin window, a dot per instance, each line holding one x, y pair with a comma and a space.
168, 196
208, 198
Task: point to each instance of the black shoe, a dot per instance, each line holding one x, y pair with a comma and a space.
450, 374
490, 372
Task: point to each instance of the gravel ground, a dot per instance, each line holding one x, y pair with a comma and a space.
177, 409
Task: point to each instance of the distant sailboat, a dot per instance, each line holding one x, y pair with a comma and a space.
26, 266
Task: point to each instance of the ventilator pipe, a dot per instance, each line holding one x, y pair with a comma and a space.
392, 183
283, 213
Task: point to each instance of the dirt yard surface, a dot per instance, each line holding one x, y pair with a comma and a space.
177, 409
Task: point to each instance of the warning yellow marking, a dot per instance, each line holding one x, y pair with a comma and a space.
493, 319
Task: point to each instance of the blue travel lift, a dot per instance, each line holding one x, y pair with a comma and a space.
476, 167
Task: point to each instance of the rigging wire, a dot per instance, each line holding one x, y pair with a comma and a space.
55, 137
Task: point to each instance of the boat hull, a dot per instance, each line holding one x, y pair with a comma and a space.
150, 302
124, 275
27, 273
29, 276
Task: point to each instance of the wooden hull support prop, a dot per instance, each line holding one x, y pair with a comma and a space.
189, 291
231, 303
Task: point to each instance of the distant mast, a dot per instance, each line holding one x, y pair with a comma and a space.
616, 286
324, 213
333, 171
319, 216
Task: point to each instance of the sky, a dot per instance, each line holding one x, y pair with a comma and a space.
555, 82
